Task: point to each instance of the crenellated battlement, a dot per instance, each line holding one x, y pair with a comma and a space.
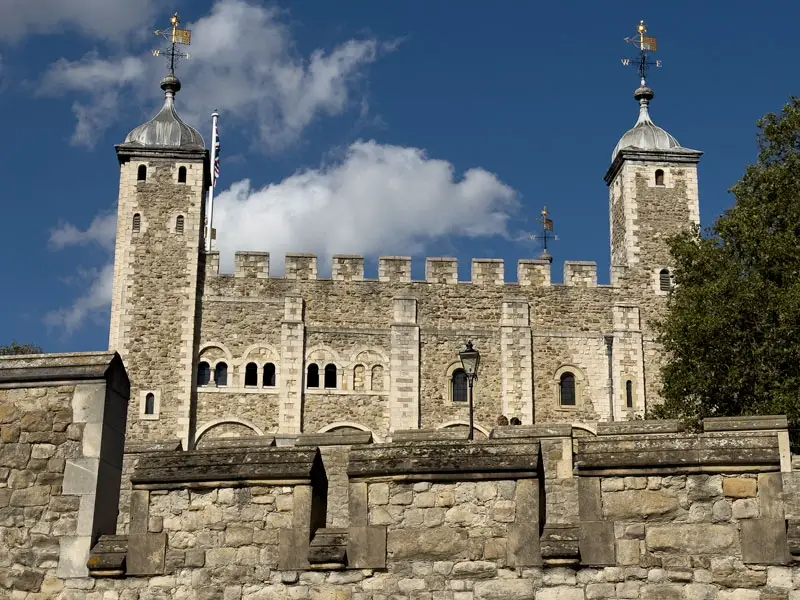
397, 269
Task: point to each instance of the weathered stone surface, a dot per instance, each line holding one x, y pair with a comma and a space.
764, 541
442, 543
737, 487
700, 538
597, 543
633, 504
506, 589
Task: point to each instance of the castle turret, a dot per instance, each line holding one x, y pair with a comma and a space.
652, 196
163, 182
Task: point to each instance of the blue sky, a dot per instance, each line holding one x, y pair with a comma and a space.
441, 128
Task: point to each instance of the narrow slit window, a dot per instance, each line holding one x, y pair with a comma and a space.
458, 386
182, 175
312, 376
629, 394
269, 375
377, 378
203, 374
150, 404
251, 374
221, 374
137, 223
330, 376
567, 389
664, 280
659, 177
141, 173
179, 225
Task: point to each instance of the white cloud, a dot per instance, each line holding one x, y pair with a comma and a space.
243, 63
96, 284
93, 304
380, 199
101, 231
106, 19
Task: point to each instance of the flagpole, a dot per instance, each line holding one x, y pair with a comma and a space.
214, 144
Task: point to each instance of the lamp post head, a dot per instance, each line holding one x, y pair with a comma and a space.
470, 358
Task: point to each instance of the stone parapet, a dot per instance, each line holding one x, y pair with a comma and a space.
251, 264
348, 268
580, 274
394, 269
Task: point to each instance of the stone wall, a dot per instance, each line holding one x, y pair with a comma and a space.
637, 509
62, 427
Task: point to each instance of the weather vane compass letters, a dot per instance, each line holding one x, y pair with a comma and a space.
547, 234
644, 44
175, 37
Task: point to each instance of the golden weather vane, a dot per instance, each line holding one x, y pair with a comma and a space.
645, 44
547, 233
174, 36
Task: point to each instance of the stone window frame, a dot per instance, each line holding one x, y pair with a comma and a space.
580, 387
656, 280
623, 393
136, 224
139, 168
272, 357
328, 356
448, 382
156, 405
651, 179
356, 359
178, 174
173, 223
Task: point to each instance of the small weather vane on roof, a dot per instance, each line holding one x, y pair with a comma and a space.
546, 235
175, 37
645, 45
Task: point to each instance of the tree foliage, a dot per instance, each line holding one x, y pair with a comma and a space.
732, 332
15, 348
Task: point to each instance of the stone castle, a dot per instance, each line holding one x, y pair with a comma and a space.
251, 437
212, 355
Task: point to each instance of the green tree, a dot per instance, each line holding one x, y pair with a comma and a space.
15, 348
732, 332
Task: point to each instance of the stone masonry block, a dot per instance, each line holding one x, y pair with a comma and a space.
366, 548
146, 554
488, 271
533, 273
516, 313
590, 504
395, 269
596, 543
301, 267
252, 264
405, 311
348, 268
580, 274
293, 309
441, 270
212, 264
764, 541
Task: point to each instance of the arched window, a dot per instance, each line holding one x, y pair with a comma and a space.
203, 374
269, 375
629, 393
664, 280
137, 223
179, 224
330, 376
358, 377
150, 404
251, 374
377, 378
567, 389
141, 173
458, 386
659, 177
221, 374
312, 376
182, 175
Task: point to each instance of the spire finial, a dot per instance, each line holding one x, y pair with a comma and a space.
175, 36
546, 235
644, 44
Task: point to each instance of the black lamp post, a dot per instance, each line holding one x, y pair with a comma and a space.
469, 360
